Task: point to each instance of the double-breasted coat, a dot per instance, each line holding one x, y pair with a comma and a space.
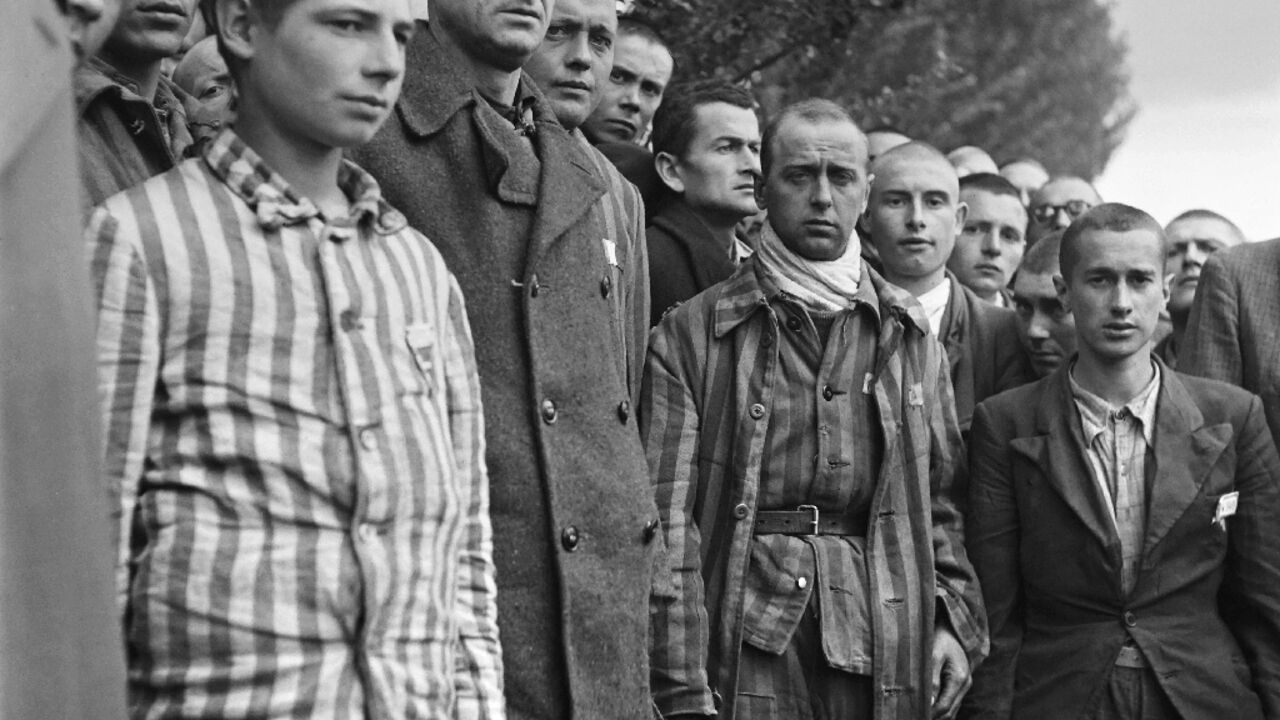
709, 380
550, 256
1205, 607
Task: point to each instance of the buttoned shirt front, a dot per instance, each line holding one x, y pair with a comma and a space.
1117, 441
822, 448
295, 446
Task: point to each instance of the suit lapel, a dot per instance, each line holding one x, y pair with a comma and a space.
1058, 451
1186, 450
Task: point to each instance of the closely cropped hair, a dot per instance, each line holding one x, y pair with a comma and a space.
634, 25
1107, 217
813, 110
1202, 214
1042, 258
991, 183
1026, 161
674, 122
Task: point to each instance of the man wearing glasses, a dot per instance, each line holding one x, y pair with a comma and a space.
1057, 203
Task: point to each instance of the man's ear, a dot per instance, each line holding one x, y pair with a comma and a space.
236, 27
1060, 285
1168, 287
668, 168
962, 214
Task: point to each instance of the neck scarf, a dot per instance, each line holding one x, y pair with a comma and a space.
823, 285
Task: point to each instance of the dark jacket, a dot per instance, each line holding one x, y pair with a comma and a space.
982, 346
124, 138
552, 264
684, 258
1205, 610
1234, 329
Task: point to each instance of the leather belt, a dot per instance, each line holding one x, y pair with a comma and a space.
1130, 657
807, 520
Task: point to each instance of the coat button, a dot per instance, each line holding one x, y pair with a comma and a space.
794, 324
569, 539
828, 393
606, 286
349, 320
1130, 619
549, 412
741, 511
757, 411
802, 582
368, 439
624, 411
533, 285
651, 530
766, 339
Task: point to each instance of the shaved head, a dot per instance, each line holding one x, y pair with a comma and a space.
896, 159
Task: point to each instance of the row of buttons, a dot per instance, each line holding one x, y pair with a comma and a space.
535, 287
571, 537
550, 413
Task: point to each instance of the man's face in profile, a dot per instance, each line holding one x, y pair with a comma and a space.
641, 70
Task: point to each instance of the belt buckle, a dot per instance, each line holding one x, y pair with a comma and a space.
813, 530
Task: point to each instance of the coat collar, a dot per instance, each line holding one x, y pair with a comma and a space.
743, 294
709, 259
1185, 451
569, 185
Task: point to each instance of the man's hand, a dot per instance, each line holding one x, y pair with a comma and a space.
951, 673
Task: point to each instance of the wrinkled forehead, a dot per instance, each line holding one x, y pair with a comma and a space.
591, 13
799, 142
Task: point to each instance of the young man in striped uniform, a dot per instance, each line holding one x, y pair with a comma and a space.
294, 436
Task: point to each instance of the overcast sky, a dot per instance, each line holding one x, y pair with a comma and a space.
1206, 76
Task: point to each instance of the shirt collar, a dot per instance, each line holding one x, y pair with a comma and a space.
95, 77
276, 204
1095, 412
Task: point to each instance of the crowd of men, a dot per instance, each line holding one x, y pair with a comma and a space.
455, 362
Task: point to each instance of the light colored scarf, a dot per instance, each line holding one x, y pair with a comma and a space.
823, 285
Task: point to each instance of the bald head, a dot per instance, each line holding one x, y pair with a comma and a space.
1058, 202
914, 214
970, 160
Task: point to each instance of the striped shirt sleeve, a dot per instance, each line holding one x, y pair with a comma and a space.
478, 678
128, 345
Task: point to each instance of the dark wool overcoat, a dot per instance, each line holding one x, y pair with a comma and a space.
551, 259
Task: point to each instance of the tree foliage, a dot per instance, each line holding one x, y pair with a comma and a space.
1039, 78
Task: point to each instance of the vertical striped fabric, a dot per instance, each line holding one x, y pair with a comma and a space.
294, 444
822, 447
710, 391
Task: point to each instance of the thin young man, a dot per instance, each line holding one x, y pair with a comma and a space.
1124, 518
294, 435
913, 219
